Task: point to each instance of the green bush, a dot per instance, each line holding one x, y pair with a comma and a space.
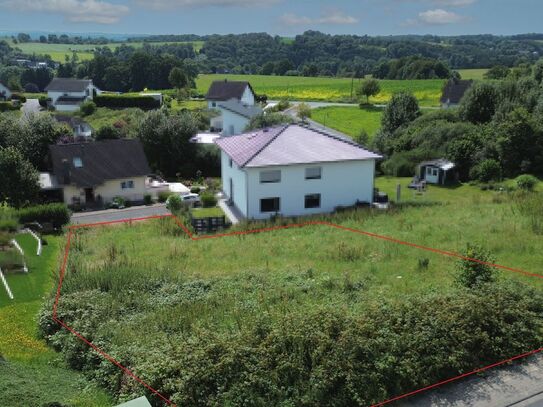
55, 213
147, 199
195, 190
126, 101
43, 101
473, 274
8, 106
17, 96
526, 182
163, 196
487, 170
208, 200
87, 108
174, 203
118, 202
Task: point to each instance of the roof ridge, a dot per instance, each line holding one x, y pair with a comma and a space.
265, 145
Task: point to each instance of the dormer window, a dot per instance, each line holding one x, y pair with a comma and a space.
78, 163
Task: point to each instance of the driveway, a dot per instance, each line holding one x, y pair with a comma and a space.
517, 385
111, 215
31, 106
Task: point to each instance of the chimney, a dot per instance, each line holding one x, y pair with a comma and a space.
65, 172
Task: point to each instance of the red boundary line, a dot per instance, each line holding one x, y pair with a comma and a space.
268, 229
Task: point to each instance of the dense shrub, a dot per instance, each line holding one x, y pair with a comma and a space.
174, 203
163, 196
324, 356
474, 273
87, 108
55, 213
208, 200
195, 190
8, 106
17, 96
487, 170
126, 101
147, 199
526, 182
43, 101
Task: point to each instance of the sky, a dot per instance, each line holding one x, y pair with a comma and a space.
277, 17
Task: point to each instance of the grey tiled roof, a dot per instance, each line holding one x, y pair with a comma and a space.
241, 109
68, 85
225, 90
288, 145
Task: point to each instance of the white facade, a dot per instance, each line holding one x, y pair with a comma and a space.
232, 123
248, 98
88, 94
341, 183
5, 93
107, 191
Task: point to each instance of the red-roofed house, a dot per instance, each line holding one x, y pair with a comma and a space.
294, 171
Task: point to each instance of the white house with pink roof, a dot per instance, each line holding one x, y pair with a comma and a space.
294, 170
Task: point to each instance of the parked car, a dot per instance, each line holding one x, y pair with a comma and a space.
191, 199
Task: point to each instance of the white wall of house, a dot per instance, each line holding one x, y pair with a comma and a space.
87, 93
234, 183
5, 93
232, 123
341, 184
248, 98
108, 190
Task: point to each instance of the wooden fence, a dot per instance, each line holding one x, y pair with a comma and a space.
209, 225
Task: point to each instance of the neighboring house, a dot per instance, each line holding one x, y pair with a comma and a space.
67, 94
235, 116
5, 93
440, 171
80, 128
92, 174
453, 92
223, 91
294, 170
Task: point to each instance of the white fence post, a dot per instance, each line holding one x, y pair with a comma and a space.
38, 253
14, 242
6, 286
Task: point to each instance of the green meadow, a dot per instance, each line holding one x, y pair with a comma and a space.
350, 120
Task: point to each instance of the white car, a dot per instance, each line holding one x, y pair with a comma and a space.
191, 199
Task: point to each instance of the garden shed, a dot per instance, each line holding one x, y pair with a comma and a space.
440, 172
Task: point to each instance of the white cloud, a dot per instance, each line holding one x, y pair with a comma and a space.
170, 4
79, 11
439, 17
334, 17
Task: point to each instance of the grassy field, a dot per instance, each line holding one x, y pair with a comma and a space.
428, 92
476, 74
349, 120
32, 374
84, 51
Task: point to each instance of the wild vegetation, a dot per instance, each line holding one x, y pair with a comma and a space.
211, 322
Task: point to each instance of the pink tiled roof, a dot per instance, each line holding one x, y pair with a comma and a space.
292, 144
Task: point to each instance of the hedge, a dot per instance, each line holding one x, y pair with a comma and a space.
8, 106
55, 213
126, 101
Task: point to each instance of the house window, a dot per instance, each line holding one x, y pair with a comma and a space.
127, 184
312, 201
267, 177
313, 173
431, 171
270, 205
230, 162
213, 104
78, 163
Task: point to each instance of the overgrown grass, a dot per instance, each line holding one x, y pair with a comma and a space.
207, 212
477, 74
427, 92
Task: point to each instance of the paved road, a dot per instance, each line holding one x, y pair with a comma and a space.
517, 385
31, 106
119, 214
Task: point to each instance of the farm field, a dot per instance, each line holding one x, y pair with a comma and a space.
476, 74
185, 296
31, 373
427, 92
349, 120
84, 51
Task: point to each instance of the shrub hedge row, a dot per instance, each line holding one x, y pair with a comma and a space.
126, 101
8, 106
56, 213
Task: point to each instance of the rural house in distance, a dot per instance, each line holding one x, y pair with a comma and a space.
293, 171
67, 94
5, 93
454, 91
236, 103
95, 173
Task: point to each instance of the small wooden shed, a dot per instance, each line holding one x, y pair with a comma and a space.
440, 172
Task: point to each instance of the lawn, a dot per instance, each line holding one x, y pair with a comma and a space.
58, 52
33, 374
476, 74
427, 92
349, 120
207, 212
108, 117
